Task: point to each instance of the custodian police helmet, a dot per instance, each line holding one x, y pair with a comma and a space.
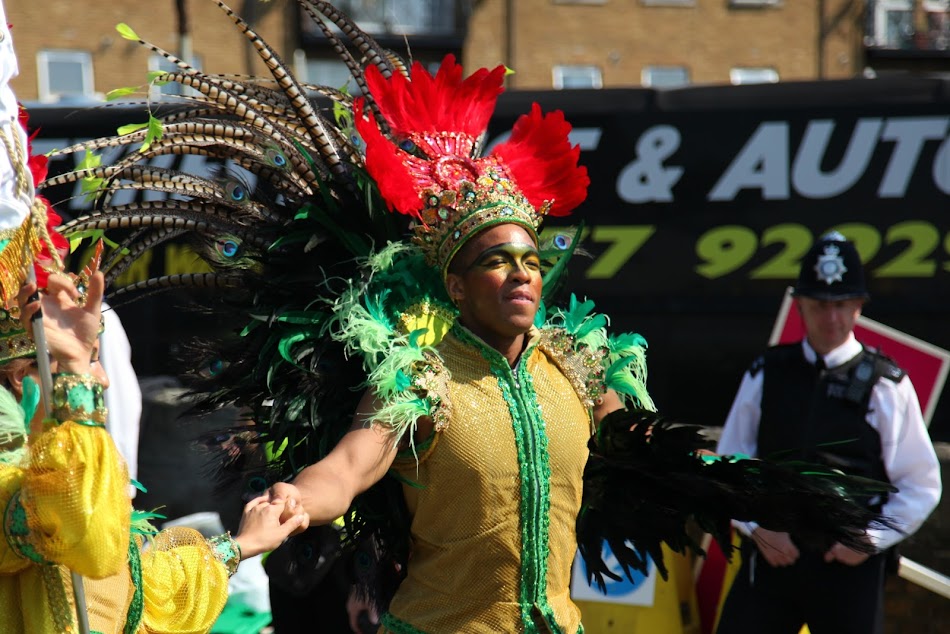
831, 270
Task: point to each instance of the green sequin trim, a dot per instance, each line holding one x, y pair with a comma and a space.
396, 626
134, 616
17, 530
531, 441
227, 551
62, 611
78, 398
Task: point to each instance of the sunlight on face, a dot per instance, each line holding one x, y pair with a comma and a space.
498, 288
828, 323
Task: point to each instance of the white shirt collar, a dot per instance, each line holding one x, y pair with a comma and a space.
836, 357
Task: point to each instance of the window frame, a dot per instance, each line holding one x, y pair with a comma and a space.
663, 67
558, 75
735, 69
668, 3
45, 57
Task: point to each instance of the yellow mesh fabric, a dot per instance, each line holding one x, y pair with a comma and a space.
465, 569
77, 512
108, 602
76, 500
185, 586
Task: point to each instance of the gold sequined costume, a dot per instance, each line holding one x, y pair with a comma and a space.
496, 493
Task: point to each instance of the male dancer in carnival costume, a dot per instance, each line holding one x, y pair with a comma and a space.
63, 486
469, 472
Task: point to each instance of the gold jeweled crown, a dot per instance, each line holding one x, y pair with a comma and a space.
14, 342
452, 216
427, 164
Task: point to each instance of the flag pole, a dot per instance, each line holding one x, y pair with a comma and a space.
46, 391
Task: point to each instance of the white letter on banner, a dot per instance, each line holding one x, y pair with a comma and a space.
645, 179
942, 167
910, 133
762, 163
807, 176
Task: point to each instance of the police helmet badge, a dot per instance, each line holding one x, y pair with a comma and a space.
830, 266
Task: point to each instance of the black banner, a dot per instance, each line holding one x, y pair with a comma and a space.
702, 200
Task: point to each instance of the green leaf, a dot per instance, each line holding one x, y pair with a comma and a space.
89, 161
126, 31
132, 127
118, 93
155, 132
91, 185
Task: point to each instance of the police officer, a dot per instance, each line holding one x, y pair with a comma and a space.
827, 399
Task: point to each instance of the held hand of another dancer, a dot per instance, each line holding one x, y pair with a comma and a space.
777, 548
263, 527
291, 496
845, 555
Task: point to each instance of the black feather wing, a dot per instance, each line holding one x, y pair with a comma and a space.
645, 482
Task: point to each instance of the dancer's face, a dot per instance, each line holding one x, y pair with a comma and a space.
495, 281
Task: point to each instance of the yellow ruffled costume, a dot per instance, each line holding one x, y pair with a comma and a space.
68, 504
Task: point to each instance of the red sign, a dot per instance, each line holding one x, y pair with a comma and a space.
927, 365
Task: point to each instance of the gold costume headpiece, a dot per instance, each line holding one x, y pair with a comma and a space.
435, 173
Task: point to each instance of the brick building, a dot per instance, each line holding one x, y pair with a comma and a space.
70, 47
614, 43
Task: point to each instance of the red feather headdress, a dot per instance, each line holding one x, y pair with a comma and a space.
435, 174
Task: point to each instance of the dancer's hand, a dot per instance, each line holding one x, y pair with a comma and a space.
262, 527
71, 328
293, 499
777, 548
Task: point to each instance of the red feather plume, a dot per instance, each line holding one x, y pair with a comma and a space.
39, 165
542, 162
384, 162
444, 103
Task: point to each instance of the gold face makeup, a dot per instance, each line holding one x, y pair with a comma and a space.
507, 258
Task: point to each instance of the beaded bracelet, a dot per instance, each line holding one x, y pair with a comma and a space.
78, 398
227, 551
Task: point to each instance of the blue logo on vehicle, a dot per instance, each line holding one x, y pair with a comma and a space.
625, 586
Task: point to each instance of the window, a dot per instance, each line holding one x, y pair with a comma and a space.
329, 72
571, 77
664, 76
158, 62
752, 75
668, 3
937, 13
893, 23
419, 17
64, 75
744, 4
